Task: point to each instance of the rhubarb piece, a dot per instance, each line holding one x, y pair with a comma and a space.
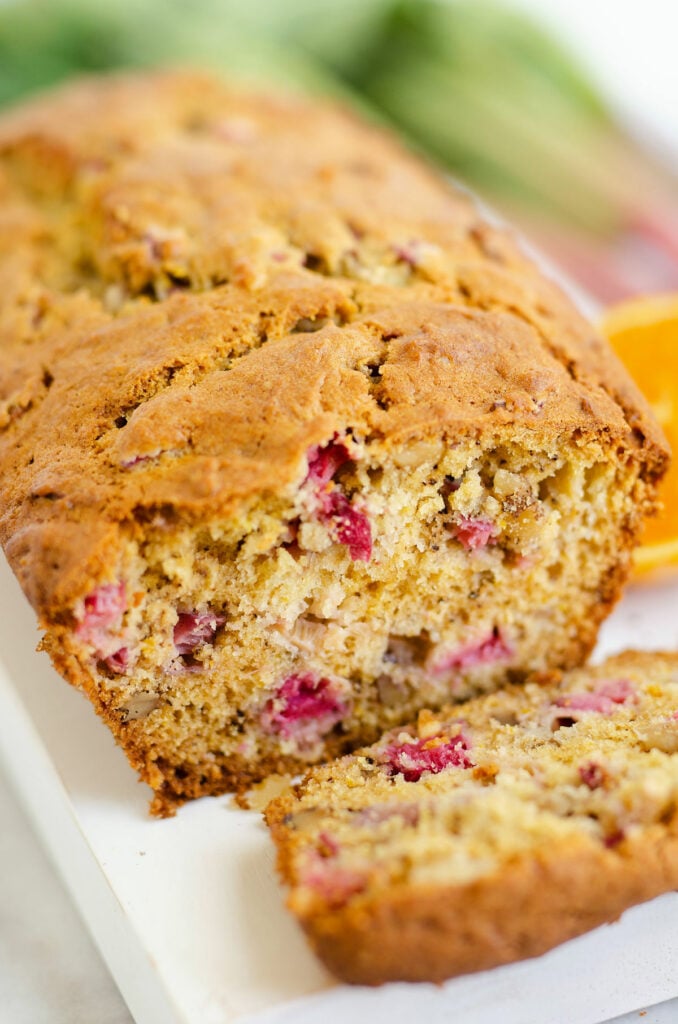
328, 845
102, 610
304, 708
619, 691
100, 621
474, 533
347, 524
407, 813
607, 696
334, 884
118, 662
195, 629
324, 461
433, 755
592, 775
491, 649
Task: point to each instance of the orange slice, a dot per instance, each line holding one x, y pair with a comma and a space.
644, 334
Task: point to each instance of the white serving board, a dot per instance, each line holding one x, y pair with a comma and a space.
189, 916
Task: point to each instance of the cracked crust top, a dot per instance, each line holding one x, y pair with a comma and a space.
198, 284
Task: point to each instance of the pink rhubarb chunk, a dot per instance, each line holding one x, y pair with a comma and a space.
603, 700
614, 839
411, 760
475, 533
194, 629
375, 815
136, 460
592, 775
336, 884
328, 844
617, 690
483, 652
102, 610
323, 462
348, 525
304, 708
118, 661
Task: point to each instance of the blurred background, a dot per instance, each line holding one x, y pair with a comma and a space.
560, 115
556, 112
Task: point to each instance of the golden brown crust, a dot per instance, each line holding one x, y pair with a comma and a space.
549, 892
534, 904
160, 238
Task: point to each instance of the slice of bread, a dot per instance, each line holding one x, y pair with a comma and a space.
292, 443
490, 831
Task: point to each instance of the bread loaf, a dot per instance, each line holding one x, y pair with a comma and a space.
293, 443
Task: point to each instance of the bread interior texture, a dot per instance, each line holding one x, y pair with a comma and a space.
386, 579
480, 834
526, 769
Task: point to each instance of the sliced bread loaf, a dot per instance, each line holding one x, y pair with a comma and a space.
490, 831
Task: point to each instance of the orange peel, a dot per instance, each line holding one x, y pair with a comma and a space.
644, 334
